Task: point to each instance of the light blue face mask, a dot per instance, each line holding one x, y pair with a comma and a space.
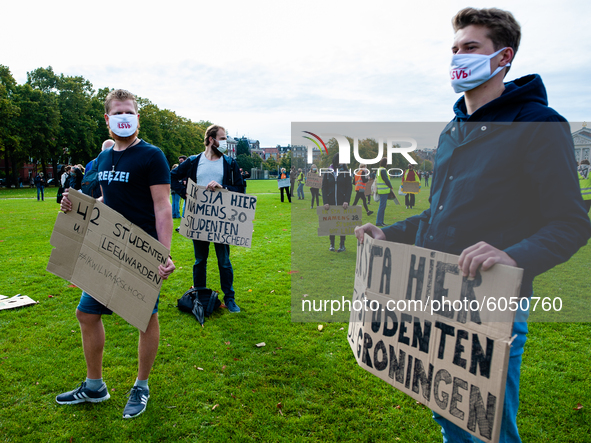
467, 71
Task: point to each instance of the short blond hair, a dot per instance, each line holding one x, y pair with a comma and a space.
120, 95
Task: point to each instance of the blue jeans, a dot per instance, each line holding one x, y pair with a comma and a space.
509, 432
301, 190
176, 199
225, 267
382, 208
40, 191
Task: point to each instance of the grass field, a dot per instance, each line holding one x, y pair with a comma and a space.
212, 383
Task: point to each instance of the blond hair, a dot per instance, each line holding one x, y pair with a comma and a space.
120, 95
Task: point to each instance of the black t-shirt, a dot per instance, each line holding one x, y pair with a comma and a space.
126, 186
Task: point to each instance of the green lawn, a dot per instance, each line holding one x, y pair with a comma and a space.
304, 385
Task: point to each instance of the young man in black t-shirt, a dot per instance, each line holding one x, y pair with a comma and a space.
135, 181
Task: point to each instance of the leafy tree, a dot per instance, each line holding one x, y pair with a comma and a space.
38, 124
246, 162
79, 123
270, 164
9, 112
285, 162
43, 79
242, 147
426, 165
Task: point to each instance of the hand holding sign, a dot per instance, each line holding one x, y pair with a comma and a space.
218, 215
417, 324
113, 260
213, 185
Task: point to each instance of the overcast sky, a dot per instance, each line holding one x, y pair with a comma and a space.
256, 66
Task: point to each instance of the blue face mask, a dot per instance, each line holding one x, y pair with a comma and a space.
468, 71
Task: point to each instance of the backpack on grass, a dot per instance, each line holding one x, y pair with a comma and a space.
200, 302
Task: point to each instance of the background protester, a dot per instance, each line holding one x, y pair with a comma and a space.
585, 183
360, 182
301, 179
315, 192
40, 184
176, 199
76, 176
213, 170
410, 176
106, 145
65, 180
292, 178
426, 177
384, 188
336, 190
284, 175
372, 176
182, 191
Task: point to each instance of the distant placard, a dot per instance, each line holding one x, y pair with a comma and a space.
110, 258
368, 186
411, 187
218, 216
417, 324
338, 220
283, 183
314, 180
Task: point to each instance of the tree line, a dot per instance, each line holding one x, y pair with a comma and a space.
57, 119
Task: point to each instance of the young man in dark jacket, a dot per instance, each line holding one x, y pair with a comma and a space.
490, 192
213, 170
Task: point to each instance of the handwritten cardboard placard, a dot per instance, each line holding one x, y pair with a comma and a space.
219, 216
337, 220
411, 187
314, 180
452, 359
283, 183
368, 186
17, 301
110, 258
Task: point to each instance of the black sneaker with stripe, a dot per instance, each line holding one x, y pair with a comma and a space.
138, 400
82, 394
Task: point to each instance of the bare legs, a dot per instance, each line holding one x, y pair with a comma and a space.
93, 342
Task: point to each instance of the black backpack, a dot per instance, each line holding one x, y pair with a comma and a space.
90, 182
200, 302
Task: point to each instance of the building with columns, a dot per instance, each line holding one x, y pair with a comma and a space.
582, 141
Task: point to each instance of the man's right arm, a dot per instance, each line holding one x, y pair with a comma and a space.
402, 232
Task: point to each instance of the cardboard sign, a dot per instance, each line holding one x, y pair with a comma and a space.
411, 187
219, 216
283, 183
368, 186
17, 301
337, 220
110, 258
452, 357
314, 180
